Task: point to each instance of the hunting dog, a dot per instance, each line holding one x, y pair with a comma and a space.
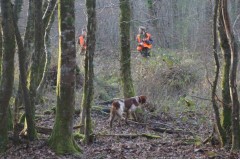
128, 105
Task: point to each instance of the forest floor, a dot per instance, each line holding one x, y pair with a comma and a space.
179, 129
185, 142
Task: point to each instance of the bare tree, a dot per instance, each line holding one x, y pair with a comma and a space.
220, 130
23, 82
125, 57
226, 98
6, 84
233, 75
61, 139
91, 40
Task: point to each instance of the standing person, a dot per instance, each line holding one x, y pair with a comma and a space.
144, 42
82, 41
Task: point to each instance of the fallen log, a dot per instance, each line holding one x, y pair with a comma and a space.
149, 136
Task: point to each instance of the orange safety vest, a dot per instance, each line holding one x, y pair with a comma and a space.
145, 45
82, 42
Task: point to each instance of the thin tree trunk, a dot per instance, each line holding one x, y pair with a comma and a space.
17, 9
85, 95
226, 98
61, 139
1, 48
6, 84
36, 68
41, 86
29, 33
23, 80
29, 48
233, 75
91, 40
125, 57
220, 130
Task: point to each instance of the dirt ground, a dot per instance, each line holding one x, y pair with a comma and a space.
185, 143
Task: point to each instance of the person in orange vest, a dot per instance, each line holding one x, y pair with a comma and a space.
144, 40
82, 41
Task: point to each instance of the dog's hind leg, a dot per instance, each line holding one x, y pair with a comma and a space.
126, 119
134, 116
112, 117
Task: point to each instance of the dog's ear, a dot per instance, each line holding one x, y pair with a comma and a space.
142, 99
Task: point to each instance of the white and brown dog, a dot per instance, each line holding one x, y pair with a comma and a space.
128, 105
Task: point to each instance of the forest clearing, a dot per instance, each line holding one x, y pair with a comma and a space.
119, 79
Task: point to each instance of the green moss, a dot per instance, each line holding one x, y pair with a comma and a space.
78, 136
62, 141
64, 146
10, 120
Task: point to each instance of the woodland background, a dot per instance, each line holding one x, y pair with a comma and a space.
177, 79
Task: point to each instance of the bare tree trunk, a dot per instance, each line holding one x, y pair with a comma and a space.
29, 48
91, 41
36, 68
233, 75
17, 9
125, 57
61, 139
220, 130
6, 84
48, 20
1, 48
226, 98
23, 82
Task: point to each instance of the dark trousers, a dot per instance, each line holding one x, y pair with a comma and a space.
145, 52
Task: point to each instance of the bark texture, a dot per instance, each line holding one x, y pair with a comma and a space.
91, 40
215, 82
61, 139
226, 98
6, 84
125, 57
233, 76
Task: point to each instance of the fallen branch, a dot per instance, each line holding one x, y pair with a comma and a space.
44, 130
169, 131
149, 136
158, 123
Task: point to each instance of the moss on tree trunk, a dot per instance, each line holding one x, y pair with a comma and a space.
91, 40
233, 75
125, 57
220, 130
61, 139
226, 98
